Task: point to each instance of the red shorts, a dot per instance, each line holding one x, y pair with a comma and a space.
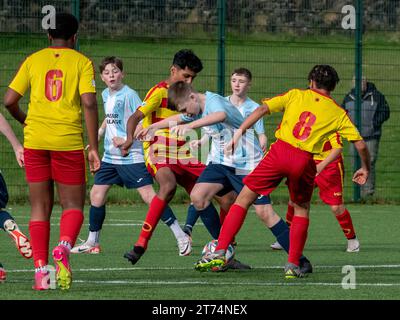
67, 167
284, 160
330, 182
186, 173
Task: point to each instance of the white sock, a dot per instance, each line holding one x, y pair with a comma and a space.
177, 230
94, 237
65, 244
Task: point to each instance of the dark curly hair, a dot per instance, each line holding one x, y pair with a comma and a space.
324, 76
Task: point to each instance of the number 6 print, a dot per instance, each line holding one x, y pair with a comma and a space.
302, 129
53, 85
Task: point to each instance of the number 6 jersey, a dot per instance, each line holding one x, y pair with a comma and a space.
309, 119
57, 77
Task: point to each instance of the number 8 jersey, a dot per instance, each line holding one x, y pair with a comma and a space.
309, 119
57, 77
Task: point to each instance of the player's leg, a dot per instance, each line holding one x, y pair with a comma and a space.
289, 217
346, 223
97, 214
3, 274
8, 224
184, 241
167, 182
68, 170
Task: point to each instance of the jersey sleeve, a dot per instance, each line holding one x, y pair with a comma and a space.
336, 141
151, 102
20, 83
87, 82
348, 130
278, 103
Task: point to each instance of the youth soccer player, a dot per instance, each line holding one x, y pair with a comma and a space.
120, 102
329, 181
224, 173
310, 117
60, 80
167, 158
7, 222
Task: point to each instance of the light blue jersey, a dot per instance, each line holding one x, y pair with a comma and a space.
118, 107
246, 108
248, 154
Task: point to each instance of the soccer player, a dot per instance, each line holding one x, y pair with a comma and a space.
120, 102
224, 173
329, 180
310, 117
7, 222
60, 81
167, 158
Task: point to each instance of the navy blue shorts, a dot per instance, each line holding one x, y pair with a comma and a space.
128, 175
3, 193
219, 173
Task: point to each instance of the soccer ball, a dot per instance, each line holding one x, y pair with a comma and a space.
210, 248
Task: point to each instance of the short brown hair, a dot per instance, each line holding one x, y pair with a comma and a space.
325, 77
112, 60
242, 71
178, 92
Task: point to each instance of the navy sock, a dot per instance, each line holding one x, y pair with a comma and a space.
168, 216
191, 219
281, 233
4, 216
210, 218
96, 218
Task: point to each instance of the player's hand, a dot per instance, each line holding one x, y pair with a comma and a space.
195, 144
146, 134
94, 161
180, 130
19, 155
263, 143
118, 141
125, 147
360, 176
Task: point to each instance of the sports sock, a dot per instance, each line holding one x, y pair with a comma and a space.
40, 234
66, 244
222, 215
70, 225
156, 209
191, 219
231, 226
4, 216
168, 216
177, 230
281, 232
96, 217
93, 238
346, 224
289, 215
210, 219
298, 237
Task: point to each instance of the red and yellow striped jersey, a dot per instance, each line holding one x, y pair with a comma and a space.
335, 141
57, 77
309, 119
164, 145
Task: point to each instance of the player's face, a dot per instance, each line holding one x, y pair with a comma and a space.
112, 77
240, 84
179, 74
191, 105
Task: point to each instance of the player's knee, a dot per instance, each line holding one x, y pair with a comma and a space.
337, 209
199, 202
167, 191
96, 198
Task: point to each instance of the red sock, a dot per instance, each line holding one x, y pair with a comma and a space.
40, 234
231, 226
297, 238
222, 215
70, 225
156, 209
289, 215
346, 224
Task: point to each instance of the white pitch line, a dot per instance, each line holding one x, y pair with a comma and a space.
187, 268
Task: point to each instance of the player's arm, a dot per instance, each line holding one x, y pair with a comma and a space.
11, 102
208, 120
361, 175
102, 129
335, 152
6, 129
131, 126
262, 138
89, 104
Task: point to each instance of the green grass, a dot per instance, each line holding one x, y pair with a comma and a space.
162, 274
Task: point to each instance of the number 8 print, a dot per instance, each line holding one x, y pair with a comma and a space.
302, 129
53, 85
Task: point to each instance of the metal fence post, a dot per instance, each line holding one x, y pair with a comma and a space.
221, 47
358, 79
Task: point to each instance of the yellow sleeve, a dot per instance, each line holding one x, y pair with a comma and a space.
20, 83
87, 81
336, 141
348, 130
278, 103
151, 102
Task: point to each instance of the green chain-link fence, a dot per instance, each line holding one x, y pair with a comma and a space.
279, 41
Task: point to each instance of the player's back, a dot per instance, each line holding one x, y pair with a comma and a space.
57, 77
